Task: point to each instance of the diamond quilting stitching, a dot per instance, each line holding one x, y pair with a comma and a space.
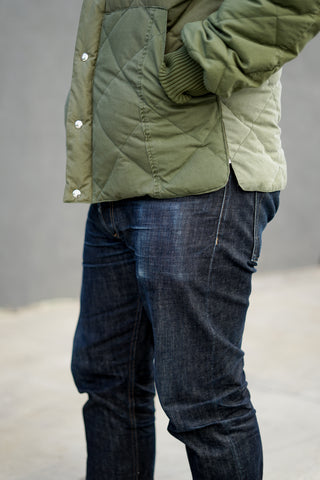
121, 146
176, 125
107, 47
122, 70
118, 147
251, 124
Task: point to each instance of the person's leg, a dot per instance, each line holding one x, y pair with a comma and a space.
195, 258
113, 358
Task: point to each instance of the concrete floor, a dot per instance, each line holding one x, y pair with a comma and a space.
41, 428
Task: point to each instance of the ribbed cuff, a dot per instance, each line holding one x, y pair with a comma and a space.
181, 77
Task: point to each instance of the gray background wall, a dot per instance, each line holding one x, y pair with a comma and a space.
41, 238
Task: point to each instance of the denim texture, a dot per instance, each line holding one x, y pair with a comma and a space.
165, 291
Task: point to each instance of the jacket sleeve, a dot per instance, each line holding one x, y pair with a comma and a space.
240, 45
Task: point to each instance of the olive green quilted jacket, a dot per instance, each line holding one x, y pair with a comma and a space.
165, 94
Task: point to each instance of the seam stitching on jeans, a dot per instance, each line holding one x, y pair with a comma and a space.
131, 379
217, 237
113, 223
220, 216
255, 250
253, 256
236, 457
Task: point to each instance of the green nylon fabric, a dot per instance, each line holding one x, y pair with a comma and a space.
171, 91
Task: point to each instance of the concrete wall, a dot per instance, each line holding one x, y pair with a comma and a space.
41, 238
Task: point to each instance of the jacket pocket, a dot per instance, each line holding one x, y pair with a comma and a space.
151, 90
179, 138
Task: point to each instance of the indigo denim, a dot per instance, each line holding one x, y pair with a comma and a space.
165, 291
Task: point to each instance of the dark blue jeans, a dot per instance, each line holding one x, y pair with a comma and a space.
165, 292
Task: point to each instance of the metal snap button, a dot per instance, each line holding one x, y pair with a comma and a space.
76, 193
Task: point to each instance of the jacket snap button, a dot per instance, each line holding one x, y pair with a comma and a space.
78, 124
84, 57
76, 193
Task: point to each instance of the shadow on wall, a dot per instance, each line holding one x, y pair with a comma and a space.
41, 238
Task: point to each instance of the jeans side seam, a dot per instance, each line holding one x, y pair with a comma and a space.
220, 216
113, 222
233, 446
237, 460
255, 248
216, 241
131, 382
